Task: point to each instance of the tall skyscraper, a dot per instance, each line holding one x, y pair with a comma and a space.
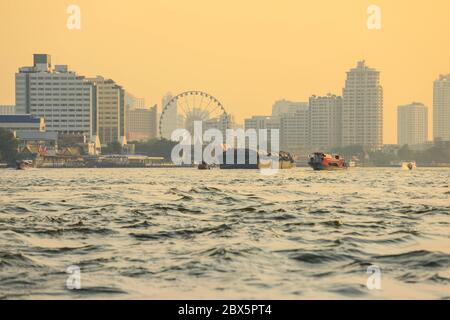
412, 124
441, 108
362, 111
325, 122
110, 102
170, 121
63, 98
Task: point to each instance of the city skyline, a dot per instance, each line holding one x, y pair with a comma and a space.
236, 154
249, 69
63, 96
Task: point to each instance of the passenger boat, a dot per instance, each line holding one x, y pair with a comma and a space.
322, 161
24, 164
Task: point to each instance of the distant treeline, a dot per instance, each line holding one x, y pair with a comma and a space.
8, 146
155, 148
151, 148
433, 155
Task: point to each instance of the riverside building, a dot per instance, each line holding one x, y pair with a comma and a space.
62, 97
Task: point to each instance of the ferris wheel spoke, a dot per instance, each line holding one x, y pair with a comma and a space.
194, 102
209, 103
188, 103
201, 100
184, 106
193, 106
215, 108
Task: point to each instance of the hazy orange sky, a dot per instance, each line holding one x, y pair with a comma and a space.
247, 53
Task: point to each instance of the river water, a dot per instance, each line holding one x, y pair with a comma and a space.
190, 234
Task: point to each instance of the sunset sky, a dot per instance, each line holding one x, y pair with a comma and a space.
247, 53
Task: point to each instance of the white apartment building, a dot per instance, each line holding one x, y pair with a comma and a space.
412, 124
7, 110
63, 98
325, 122
441, 108
362, 111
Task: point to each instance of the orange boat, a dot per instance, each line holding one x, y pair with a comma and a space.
322, 161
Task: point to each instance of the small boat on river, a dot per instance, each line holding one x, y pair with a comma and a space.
322, 161
411, 165
24, 164
204, 166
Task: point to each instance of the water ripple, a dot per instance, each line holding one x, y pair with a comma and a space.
187, 233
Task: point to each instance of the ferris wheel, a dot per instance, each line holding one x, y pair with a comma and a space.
182, 110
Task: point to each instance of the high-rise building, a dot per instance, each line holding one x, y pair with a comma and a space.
283, 106
262, 123
170, 121
362, 111
295, 131
110, 104
7, 110
64, 99
257, 122
412, 124
142, 124
221, 123
132, 102
441, 108
291, 119
286, 115
325, 122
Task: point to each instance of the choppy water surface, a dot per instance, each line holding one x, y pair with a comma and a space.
184, 233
